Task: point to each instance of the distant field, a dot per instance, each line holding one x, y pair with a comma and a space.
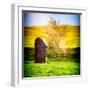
67, 36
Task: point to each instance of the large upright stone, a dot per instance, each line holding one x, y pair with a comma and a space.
40, 50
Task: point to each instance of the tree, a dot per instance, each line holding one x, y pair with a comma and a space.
58, 36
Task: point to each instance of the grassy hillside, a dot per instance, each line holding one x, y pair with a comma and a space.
63, 54
64, 36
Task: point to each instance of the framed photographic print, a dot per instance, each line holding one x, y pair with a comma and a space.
47, 43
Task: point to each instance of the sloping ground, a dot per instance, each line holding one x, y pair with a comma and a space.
65, 38
61, 36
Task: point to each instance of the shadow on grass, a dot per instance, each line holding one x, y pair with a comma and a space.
29, 55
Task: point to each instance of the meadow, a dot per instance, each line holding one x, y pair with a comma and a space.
51, 68
54, 66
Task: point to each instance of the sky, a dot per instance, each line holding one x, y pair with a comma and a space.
39, 19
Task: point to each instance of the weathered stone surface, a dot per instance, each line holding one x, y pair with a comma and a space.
40, 50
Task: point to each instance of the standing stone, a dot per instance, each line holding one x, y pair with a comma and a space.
40, 50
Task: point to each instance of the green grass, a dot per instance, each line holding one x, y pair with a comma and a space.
53, 67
